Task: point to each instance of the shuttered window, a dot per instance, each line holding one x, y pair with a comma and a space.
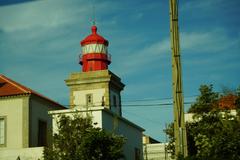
2, 131
42, 133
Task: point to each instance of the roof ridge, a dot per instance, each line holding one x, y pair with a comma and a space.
27, 90
21, 87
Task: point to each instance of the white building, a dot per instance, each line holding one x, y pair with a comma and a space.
154, 150
109, 121
24, 120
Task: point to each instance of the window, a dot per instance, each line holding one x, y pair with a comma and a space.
2, 131
114, 101
42, 133
89, 99
137, 154
103, 102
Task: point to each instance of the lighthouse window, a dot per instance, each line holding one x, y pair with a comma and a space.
94, 48
89, 99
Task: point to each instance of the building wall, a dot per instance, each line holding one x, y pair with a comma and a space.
147, 140
155, 152
113, 123
15, 109
80, 97
22, 153
97, 116
132, 134
39, 112
115, 108
95, 82
22, 115
188, 117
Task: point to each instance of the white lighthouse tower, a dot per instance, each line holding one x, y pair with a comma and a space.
95, 86
96, 91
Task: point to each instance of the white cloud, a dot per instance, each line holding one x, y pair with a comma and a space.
211, 41
48, 14
144, 56
202, 52
215, 50
22, 16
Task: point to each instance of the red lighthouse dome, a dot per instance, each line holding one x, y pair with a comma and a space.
94, 52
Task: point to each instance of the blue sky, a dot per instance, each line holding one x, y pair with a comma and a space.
39, 47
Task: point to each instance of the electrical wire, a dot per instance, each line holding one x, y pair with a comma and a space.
155, 99
135, 105
144, 117
151, 105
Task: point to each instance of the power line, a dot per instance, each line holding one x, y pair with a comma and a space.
152, 105
134, 105
155, 99
146, 99
124, 102
145, 118
161, 99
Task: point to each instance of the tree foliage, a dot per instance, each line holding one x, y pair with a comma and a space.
216, 136
78, 139
206, 101
213, 135
238, 99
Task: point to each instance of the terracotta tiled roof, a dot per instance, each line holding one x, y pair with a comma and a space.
9, 87
228, 102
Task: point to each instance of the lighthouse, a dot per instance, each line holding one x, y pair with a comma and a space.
95, 85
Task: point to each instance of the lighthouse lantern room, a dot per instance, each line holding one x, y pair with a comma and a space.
94, 52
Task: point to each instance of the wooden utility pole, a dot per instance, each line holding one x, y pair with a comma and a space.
178, 100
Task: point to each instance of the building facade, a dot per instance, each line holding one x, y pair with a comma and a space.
24, 119
154, 150
104, 118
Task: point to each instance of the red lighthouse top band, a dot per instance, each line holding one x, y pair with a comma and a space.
94, 52
94, 38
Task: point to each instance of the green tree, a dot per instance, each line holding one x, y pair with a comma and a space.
78, 139
206, 101
214, 135
238, 99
